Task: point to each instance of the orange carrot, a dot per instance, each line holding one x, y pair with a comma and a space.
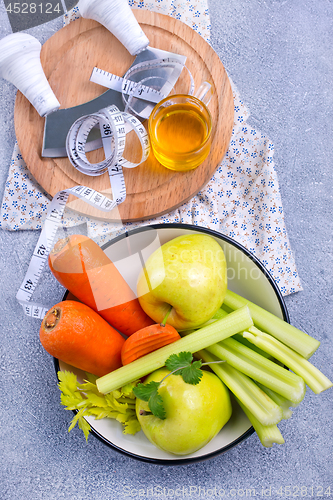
77, 335
146, 340
82, 267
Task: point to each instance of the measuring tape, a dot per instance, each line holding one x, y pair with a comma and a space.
125, 86
113, 125
46, 239
134, 91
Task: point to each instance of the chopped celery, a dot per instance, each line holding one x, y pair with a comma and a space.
262, 406
313, 377
279, 400
220, 313
235, 322
301, 342
268, 434
239, 337
261, 369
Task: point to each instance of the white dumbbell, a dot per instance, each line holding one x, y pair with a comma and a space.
20, 64
20, 53
118, 18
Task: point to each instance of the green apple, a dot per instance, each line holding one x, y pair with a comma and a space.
194, 413
188, 273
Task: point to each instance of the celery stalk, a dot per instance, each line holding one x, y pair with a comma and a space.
299, 341
279, 400
261, 369
239, 337
263, 407
268, 434
313, 377
220, 313
235, 322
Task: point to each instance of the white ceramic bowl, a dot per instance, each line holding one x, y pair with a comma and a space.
246, 276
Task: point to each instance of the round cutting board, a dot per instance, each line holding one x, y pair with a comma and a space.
68, 58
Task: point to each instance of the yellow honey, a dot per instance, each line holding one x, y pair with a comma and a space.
180, 133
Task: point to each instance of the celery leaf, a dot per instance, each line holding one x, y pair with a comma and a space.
85, 400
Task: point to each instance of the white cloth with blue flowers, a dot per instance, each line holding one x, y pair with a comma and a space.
242, 199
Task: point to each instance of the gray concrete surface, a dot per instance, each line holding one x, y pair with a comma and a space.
279, 53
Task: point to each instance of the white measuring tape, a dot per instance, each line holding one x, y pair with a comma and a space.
45, 242
144, 73
113, 125
125, 86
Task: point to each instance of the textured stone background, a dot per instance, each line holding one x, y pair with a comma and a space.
279, 53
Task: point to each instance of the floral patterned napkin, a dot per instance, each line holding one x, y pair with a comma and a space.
242, 199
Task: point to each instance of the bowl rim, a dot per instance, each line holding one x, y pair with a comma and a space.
285, 314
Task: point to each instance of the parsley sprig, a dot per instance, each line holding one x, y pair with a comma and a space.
178, 364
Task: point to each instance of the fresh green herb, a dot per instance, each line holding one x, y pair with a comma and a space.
149, 393
146, 391
183, 364
177, 364
86, 400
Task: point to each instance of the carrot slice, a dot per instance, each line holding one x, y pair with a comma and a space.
135, 354
146, 340
82, 267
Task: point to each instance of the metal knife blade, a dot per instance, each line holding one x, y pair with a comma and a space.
59, 122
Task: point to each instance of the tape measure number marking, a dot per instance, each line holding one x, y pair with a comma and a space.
163, 71
113, 125
125, 86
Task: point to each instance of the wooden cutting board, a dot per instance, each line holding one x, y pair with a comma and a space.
68, 58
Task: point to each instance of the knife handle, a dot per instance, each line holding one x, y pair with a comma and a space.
118, 18
20, 64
